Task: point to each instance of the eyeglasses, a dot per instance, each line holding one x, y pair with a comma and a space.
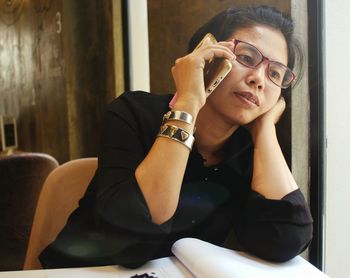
249, 56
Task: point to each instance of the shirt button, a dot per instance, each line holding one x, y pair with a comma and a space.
206, 178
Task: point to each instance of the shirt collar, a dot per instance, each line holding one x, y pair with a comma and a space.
239, 150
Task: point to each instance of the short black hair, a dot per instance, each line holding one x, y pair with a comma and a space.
224, 24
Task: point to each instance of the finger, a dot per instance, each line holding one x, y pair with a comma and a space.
218, 52
229, 44
226, 46
207, 41
280, 107
282, 102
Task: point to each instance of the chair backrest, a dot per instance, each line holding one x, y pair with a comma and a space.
21, 178
60, 195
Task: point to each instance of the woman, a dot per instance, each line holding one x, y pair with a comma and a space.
153, 187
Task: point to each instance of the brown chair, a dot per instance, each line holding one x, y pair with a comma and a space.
21, 178
60, 195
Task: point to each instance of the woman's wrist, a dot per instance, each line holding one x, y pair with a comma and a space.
190, 106
181, 119
262, 128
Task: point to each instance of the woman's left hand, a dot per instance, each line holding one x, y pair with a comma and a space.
269, 118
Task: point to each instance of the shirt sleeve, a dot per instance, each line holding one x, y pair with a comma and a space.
275, 230
119, 200
113, 224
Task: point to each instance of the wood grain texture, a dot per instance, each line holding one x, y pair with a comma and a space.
57, 84
89, 71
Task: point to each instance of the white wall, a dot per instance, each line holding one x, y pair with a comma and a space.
301, 105
138, 45
337, 90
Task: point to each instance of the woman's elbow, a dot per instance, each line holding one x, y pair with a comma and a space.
285, 249
276, 243
161, 216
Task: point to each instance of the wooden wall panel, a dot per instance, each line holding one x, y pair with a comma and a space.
88, 46
56, 73
32, 80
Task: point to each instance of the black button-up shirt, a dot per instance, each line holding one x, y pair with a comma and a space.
113, 224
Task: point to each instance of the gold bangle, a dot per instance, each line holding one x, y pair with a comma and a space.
177, 134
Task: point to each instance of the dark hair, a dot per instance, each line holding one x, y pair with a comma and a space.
224, 24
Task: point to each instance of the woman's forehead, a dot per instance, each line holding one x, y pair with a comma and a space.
270, 42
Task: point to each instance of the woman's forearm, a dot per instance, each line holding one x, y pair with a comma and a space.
271, 175
161, 173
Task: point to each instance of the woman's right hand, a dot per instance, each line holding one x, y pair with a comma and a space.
188, 72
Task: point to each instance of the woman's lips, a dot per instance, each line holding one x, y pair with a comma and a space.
248, 97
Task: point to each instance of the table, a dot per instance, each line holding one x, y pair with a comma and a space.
193, 258
161, 267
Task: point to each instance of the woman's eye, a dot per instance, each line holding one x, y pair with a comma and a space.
275, 75
246, 59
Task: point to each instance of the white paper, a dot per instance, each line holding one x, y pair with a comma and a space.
206, 260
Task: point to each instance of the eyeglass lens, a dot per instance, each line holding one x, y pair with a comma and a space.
251, 57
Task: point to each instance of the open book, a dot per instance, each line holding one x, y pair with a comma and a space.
196, 258
207, 260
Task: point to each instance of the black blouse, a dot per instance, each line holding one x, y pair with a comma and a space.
112, 224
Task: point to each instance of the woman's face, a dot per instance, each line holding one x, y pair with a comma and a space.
246, 93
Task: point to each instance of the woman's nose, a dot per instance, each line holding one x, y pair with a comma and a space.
257, 76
